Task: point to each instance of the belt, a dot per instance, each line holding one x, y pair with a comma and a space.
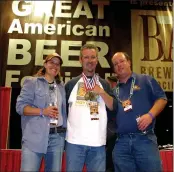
151, 131
59, 129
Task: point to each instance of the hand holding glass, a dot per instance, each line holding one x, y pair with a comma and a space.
54, 121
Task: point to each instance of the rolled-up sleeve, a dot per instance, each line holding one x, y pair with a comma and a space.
26, 96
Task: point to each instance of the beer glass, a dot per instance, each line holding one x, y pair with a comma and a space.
54, 121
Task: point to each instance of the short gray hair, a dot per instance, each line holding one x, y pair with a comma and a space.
89, 46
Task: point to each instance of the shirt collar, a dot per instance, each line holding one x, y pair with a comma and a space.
42, 78
133, 75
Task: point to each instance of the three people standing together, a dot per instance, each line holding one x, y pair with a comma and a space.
135, 102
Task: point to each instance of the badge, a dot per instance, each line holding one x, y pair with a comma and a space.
127, 106
94, 114
81, 91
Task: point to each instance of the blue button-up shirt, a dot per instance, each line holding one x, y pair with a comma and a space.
35, 128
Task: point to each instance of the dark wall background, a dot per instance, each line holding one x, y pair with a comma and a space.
164, 123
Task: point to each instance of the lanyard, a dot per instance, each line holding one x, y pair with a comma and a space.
131, 91
53, 93
89, 84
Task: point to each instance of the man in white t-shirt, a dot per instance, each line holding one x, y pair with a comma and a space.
89, 99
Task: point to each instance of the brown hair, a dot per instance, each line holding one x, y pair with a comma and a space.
42, 71
88, 46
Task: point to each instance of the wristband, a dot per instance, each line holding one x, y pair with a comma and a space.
150, 114
41, 113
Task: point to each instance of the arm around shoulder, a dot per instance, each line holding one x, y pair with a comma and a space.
110, 99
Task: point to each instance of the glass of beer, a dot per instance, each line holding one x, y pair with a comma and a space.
54, 121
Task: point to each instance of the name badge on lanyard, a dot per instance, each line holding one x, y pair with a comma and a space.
127, 105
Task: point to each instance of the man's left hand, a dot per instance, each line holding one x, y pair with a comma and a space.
144, 121
98, 90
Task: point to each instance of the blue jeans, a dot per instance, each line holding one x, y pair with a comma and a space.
31, 161
78, 155
136, 152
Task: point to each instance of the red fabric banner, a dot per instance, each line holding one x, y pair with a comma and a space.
10, 160
167, 160
5, 98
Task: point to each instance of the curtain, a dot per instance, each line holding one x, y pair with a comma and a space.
5, 98
167, 160
10, 160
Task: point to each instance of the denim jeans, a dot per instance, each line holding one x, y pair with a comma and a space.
78, 155
31, 161
136, 152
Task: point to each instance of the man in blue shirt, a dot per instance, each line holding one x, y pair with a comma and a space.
140, 99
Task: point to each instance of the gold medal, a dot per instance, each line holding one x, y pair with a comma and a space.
91, 96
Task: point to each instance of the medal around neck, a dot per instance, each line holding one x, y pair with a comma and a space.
91, 96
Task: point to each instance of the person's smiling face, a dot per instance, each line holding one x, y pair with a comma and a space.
89, 61
121, 65
52, 67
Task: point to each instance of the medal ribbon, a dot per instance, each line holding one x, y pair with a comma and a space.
89, 84
131, 91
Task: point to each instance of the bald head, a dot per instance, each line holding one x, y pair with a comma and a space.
123, 54
121, 63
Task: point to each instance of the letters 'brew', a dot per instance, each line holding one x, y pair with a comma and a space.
54, 121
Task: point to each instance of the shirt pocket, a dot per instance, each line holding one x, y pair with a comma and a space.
40, 98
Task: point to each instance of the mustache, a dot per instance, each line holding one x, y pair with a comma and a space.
90, 63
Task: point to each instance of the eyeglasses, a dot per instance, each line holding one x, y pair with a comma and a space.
52, 62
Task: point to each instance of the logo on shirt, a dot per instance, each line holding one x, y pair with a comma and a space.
136, 87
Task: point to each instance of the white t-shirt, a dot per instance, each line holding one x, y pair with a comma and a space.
81, 129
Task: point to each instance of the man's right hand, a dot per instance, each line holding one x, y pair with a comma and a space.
51, 111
